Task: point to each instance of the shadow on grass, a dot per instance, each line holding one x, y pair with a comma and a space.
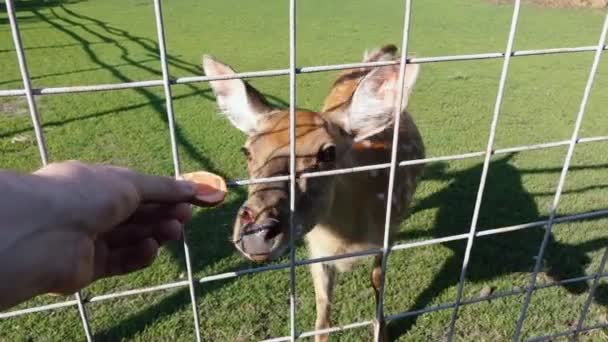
31, 5
70, 22
506, 202
208, 237
206, 248
78, 71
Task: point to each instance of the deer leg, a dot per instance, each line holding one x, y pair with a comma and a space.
376, 279
323, 279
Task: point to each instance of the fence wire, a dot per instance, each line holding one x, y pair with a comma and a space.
486, 166
407, 15
548, 225
292, 170
562, 178
160, 28
35, 117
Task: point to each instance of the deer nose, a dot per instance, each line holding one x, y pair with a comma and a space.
258, 239
246, 216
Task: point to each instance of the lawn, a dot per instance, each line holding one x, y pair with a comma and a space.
94, 42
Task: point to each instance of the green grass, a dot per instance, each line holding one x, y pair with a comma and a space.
92, 42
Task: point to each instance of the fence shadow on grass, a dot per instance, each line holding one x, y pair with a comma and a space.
506, 202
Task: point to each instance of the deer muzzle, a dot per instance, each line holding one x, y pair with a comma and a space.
258, 240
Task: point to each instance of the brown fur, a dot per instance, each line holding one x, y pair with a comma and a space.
337, 214
348, 80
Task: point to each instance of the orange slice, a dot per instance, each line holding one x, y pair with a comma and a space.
211, 188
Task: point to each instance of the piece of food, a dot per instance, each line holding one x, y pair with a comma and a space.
211, 188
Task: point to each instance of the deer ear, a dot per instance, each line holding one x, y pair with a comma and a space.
239, 101
385, 53
374, 102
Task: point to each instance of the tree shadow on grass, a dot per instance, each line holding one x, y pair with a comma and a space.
69, 22
30, 5
206, 249
114, 36
506, 202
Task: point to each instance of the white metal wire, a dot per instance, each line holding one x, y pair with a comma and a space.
414, 161
228, 275
285, 72
35, 117
393, 170
322, 331
27, 85
562, 178
446, 306
84, 317
486, 166
292, 72
292, 169
46, 307
305, 262
174, 152
127, 293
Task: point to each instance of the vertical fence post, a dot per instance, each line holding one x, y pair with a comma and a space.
486, 166
35, 117
562, 179
175, 154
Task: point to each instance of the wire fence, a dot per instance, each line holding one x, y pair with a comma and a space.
167, 82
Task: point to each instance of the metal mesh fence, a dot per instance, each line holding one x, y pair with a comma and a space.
167, 82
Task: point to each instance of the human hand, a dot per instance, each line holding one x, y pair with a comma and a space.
75, 223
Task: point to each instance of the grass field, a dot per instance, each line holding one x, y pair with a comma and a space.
93, 42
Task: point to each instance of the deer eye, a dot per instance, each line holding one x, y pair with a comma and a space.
327, 154
246, 153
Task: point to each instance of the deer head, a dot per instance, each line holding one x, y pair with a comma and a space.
363, 106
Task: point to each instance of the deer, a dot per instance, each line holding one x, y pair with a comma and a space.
334, 214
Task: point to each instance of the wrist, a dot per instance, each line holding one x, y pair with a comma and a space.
25, 224
25, 273
31, 202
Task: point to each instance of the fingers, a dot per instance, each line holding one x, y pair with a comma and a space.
150, 213
131, 234
97, 198
129, 259
157, 188
131, 247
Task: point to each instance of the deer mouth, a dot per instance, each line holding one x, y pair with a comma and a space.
259, 241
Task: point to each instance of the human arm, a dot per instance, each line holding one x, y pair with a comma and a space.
70, 223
